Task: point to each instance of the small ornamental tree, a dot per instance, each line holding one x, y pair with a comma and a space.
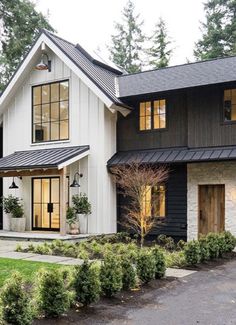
16, 302
87, 283
135, 181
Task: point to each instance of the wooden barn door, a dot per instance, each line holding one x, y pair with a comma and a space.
211, 209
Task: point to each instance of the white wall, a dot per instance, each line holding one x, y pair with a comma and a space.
211, 173
91, 123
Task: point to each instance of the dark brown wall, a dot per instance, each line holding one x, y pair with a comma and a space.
194, 119
129, 137
205, 119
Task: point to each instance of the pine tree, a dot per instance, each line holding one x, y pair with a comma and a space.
160, 52
19, 25
126, 49
219, 30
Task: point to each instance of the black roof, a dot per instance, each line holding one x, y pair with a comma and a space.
174, 155
42, 158
178, 77
102, 75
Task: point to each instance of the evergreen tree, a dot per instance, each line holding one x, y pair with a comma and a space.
126, 49
160, 52
219, 30
19, 25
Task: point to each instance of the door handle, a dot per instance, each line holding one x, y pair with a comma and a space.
50, 207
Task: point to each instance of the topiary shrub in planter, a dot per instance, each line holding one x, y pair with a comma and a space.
128, 272
146, 266
213, 243
160, 265
204, 249
82, 207
52, 294
16, 302
111, 275
192, 252
13, 206
87, 283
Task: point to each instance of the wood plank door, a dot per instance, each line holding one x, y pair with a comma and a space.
211, 209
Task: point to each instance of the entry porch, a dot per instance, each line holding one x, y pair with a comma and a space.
42, 180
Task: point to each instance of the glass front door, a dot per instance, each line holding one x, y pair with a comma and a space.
46, 203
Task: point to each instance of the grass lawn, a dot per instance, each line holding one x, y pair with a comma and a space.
26, 268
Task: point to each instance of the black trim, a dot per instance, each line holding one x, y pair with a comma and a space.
50, 213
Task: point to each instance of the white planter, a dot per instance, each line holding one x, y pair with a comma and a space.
18, 224
83, 223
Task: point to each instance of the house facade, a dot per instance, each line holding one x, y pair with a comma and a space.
83, 116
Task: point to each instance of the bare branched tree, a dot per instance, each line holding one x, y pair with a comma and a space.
135, 181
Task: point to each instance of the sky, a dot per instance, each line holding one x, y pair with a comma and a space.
91, 22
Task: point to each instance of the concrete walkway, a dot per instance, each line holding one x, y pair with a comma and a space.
7, 250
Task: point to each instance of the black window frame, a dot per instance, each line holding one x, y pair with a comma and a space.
152, 115
32, 111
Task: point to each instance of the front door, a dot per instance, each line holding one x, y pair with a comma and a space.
46, 203
211, 208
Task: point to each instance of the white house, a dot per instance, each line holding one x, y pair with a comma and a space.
56, 123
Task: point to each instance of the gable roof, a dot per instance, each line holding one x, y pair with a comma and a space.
98, 74
178, 77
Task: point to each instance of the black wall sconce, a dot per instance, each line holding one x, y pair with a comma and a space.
75, 183
13, 185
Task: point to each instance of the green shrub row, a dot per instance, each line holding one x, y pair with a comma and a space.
55, 291
209, 247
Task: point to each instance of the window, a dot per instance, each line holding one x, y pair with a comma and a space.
152, 115
51, 112
230, 105
154, 201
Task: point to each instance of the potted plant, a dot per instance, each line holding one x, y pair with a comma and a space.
13, 206
83, 209
71, 219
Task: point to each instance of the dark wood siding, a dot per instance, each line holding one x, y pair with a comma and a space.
129, 137
175, 224
205, 119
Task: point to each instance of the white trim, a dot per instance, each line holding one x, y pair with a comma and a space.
30, 57
74, 159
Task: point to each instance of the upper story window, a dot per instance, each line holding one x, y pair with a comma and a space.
51, 112
154, 202
152, 115
230, 105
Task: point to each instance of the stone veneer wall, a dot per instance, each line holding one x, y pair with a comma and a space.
211, 173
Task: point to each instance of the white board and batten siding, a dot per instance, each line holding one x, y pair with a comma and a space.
91, 123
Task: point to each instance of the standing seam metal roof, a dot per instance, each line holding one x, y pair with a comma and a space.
173, 155
42, 158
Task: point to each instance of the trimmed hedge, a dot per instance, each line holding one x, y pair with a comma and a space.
146, 265
212, 246
160, 264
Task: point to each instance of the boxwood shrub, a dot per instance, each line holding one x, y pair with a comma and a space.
192, 252
160, 265
52, 293
87, 283
204, 249
111, 275
128, 272
16, 302
213, 243
146, 265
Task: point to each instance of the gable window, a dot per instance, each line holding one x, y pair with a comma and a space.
154, 201
230, 105
152, 115
51, 112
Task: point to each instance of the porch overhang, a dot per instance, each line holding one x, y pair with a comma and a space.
41, 162
174, 155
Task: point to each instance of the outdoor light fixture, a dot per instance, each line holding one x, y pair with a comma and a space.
75, 183
44, 64
13, 185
